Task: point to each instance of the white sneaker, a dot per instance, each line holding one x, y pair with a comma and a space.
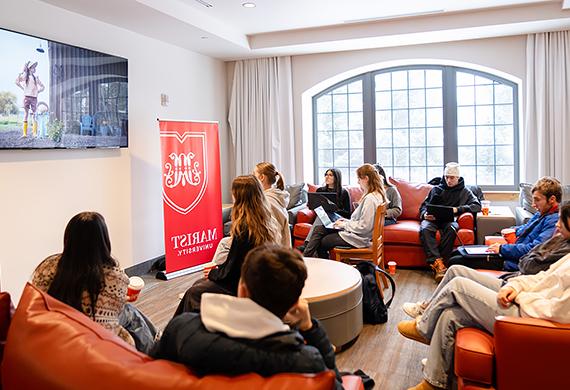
424, 362
414, 310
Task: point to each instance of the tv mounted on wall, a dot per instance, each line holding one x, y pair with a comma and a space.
54, 95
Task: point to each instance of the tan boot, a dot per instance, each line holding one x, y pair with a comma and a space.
424, 385
409, 330
439, 268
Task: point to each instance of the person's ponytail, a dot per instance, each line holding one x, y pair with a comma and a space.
280, 182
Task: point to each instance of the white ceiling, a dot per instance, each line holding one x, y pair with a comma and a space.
227, 30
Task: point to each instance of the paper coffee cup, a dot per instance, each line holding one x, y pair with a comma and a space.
485, 205
207, 268
392, 267
509, 235
135, 286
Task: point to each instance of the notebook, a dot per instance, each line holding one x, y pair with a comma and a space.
441, 213
325, 219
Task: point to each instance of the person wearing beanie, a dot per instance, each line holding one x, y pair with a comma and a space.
450, 192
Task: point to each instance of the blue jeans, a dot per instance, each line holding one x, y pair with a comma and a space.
464, 298
139, 327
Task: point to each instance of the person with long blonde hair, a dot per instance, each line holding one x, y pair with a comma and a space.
357, 231
274, 190
252, 225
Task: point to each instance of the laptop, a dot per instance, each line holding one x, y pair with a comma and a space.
325, 199
476, 249
325, 219
441, 213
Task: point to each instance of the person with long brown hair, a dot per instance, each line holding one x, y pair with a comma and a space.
357, 231
274, 190
252, 225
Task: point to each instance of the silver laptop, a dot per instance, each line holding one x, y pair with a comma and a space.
325, 219
477, 250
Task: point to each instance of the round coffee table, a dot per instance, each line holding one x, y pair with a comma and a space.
334, 292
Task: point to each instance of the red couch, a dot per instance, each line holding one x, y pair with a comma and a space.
401, 240
53, 346
525, 353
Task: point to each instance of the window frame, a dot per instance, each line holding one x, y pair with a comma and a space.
449, 102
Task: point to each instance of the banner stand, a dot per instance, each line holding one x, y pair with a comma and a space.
163, 275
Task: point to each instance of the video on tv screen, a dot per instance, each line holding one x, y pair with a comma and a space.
54, 95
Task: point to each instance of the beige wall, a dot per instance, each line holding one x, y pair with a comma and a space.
42, 189
503, 54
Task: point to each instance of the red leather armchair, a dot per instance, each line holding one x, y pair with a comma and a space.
53, 346
524, 353
401, 240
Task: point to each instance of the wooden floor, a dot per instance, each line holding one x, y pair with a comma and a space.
380, 351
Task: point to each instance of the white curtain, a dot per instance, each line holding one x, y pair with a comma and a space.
261, 115
547, 124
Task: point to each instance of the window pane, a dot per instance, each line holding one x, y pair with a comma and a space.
400, 80
325, 139
484, 115
416, 78
417, 118
480, 80
339, 103
383, 100
383, 119
465, 79
465, 135
400, 118
435, 136
417, 98
417, 157
433, 97
485, 135
324, 122
485, 155
433, 78
341, 158
324, 103
503, 94
400, 99
355, 102
469, 174
504, 135
505, 175
341, 90
504, 155
341, 139
466, 116
340, 121
325, 157
402, 173
382, 82
356, 139
435, 158
356, 157
485, 175
466, 155
434, 117
355, 87
504, 114
418, 175
401, 137
465, 96
401, 157
384, 156
417, 137
355, 121
384, 138
484, 94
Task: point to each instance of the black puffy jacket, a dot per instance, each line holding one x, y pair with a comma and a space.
187, 341
458, 196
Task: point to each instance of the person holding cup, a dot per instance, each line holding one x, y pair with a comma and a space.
546, 195
86, 277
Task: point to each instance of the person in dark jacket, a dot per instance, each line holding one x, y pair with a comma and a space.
247, 333
453, 193
546, 195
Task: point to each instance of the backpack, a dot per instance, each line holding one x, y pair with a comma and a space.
373, 308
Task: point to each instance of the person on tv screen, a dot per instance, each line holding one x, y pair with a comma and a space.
28, 82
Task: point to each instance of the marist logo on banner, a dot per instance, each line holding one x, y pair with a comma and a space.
185, 170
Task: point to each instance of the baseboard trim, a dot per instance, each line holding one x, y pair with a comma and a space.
142, 268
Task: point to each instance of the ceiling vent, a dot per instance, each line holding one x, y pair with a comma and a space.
204, 3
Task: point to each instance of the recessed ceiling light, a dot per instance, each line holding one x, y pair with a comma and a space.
248, 5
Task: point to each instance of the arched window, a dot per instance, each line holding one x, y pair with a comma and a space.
413, 119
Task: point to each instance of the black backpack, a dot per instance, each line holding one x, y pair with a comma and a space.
373, 308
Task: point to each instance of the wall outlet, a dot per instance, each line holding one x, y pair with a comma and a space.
164, 100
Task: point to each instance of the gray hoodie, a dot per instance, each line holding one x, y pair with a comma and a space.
278, 201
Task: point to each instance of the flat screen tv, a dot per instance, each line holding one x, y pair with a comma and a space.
54, 95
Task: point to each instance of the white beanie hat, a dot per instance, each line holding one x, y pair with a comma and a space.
452, 169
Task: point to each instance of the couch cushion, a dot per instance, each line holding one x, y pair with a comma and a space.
301, 230
294, 191
413, 194
474, 354
53, 346
312, 187
403, 232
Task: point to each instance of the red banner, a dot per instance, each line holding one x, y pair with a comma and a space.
191, 193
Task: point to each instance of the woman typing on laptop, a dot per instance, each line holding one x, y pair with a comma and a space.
354, 232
